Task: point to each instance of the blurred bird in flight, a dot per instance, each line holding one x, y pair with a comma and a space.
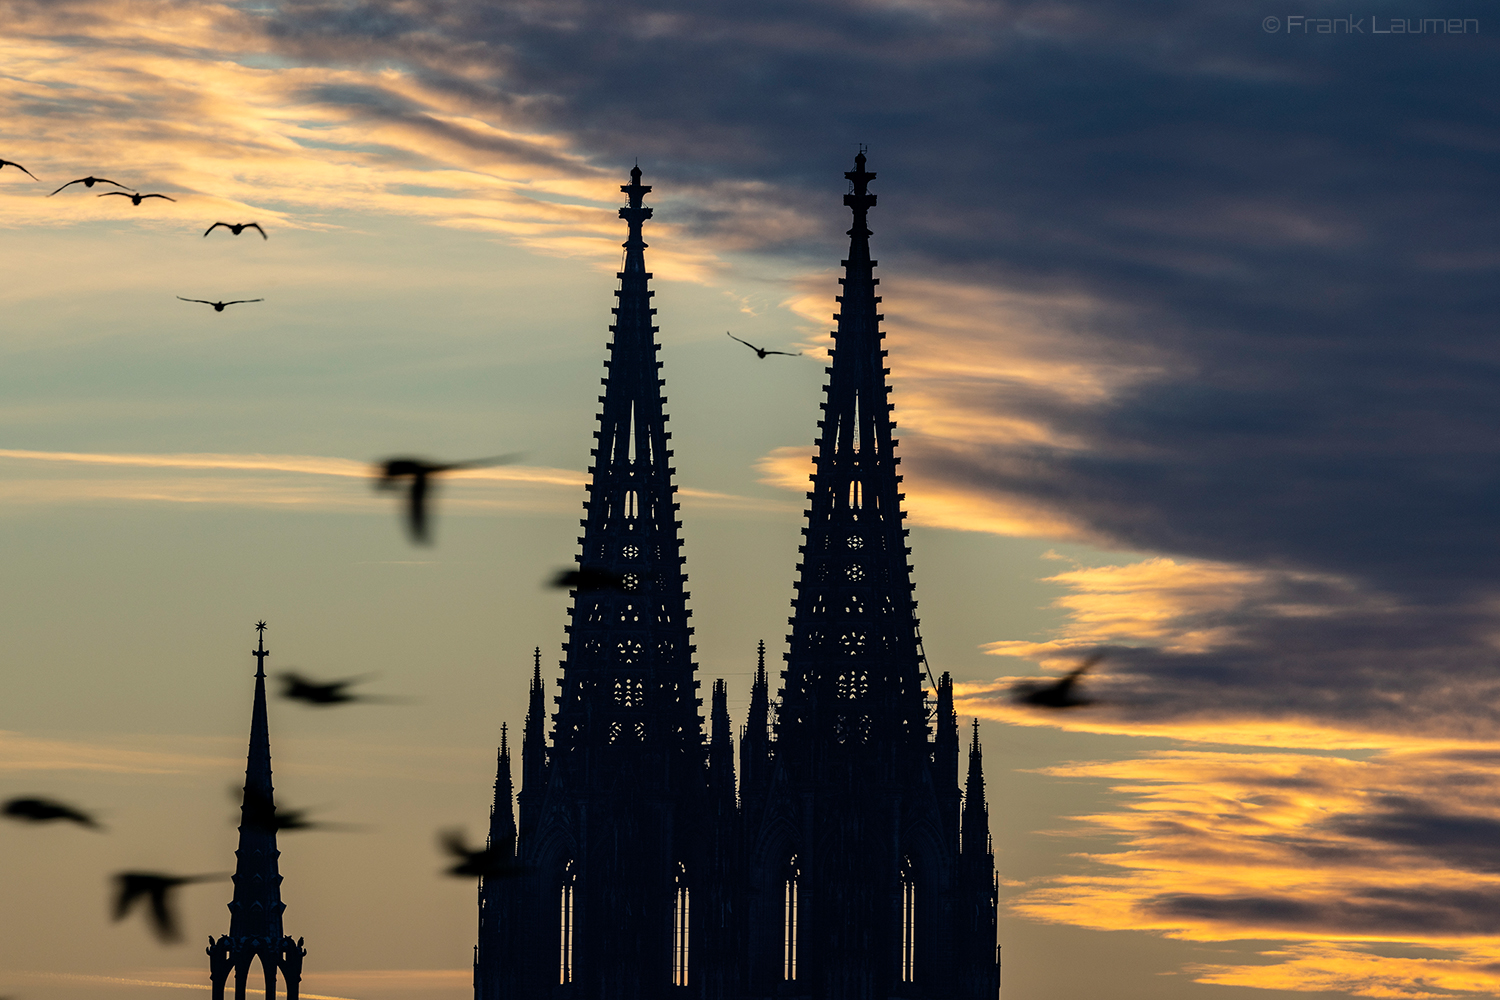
261, 813
390, 472
219, 306
89, 182
295, 687
13, 163
1059, 693
495, 861
157, 887
39, 810
587, 579
237, 227
135, 199
761, 352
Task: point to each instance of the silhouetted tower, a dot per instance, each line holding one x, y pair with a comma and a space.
615, 813
853, 845
255, 912
497, 919
979, 892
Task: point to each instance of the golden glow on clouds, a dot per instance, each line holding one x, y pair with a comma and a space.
932, 504
70, 977
151, 100
529, 487
1355, 863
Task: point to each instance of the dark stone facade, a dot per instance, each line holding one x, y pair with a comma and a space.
849, 865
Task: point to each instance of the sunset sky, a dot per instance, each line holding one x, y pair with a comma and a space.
1194, 324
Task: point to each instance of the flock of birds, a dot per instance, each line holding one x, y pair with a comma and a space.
258, 812
156, 889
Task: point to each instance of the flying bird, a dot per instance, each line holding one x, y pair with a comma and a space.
261, 813
761, 352
295, 687
38, 810
1058, 694
592, 578
237, 227
392, 470
495, 861
90, 182
156, 887
219, 306
135, 199
13, 163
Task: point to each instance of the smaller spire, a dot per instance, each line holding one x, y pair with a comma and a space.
721, 746
976, 818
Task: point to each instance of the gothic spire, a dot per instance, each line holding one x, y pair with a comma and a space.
533, 746
256, 909
628, 677
853, 687
976, 822
755, 743
502, 813
721, 748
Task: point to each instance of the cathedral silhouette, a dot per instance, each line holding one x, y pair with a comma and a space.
848, 864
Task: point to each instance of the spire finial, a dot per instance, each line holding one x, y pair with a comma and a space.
536, 664
504, 743
260, 653
974, 746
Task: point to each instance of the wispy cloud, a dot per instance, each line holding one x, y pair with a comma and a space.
529, 487
20, 752
1350, 861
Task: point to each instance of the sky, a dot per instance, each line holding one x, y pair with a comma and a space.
1191, 311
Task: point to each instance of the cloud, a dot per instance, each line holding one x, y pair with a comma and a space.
524, 487
20, 752
1346, 859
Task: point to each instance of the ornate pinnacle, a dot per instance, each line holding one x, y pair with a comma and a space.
860, 199
634, 214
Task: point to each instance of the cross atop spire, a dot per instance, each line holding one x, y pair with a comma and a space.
260, 652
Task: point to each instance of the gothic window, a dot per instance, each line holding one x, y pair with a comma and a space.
614, 732
640, 731
631, 504
855, 542
854, 497
630, 692
630, 582
631, 551
852, 643
630, 650
680, 924
855, 572
565, 925
629, 615
853, 684
789, 922
908, 922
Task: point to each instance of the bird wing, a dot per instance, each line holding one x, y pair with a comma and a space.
13, 163
69, 184
790, 354
238, 301
130, 889
216, 225
745, 342
481, 463
122, 194
416, 511
204, 301
157, 196
162, 917
256, 226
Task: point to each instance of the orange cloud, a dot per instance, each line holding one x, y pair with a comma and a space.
1355, 863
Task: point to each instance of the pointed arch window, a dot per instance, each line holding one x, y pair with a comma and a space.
565, 924
680, 924
789, 926
908, 922
632, 504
